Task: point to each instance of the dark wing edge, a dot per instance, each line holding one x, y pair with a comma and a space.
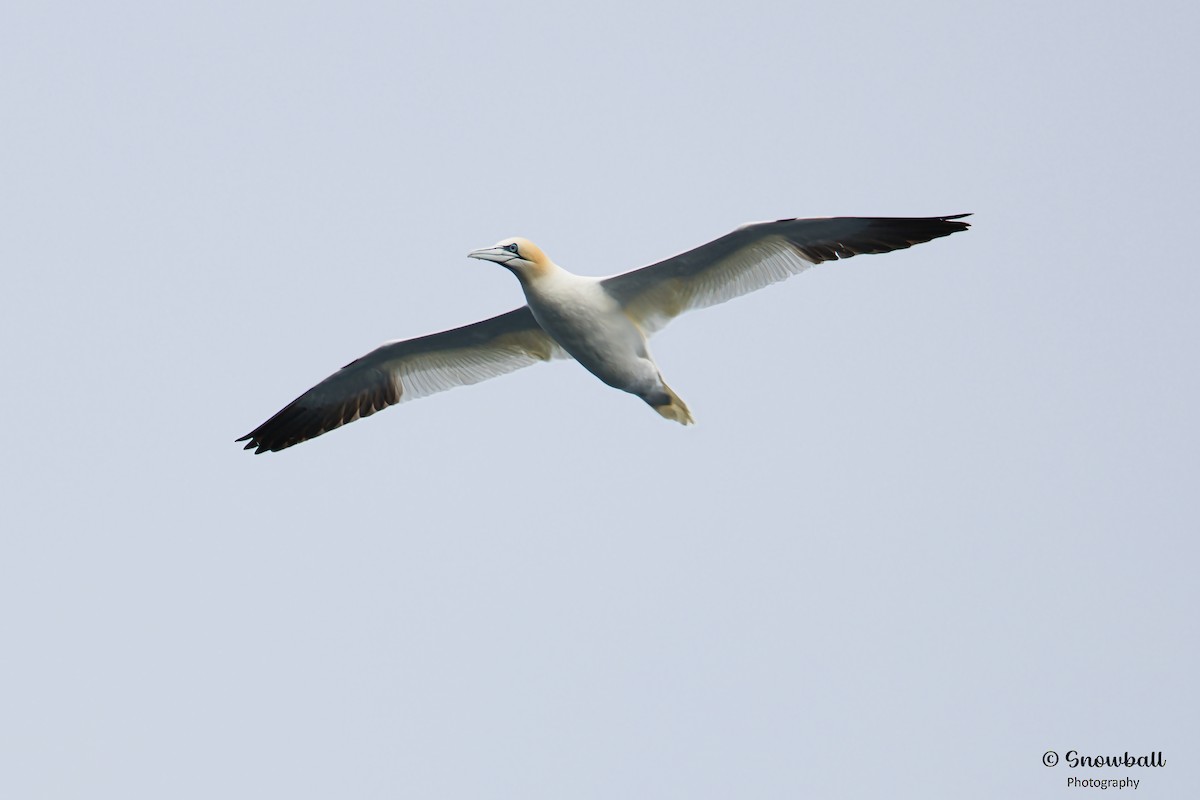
852, 236
432, 363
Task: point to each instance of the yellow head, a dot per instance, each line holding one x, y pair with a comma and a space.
523, 257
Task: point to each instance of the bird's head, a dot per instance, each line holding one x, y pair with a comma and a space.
521, 256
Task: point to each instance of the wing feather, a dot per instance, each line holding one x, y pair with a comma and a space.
759, 254
406, 370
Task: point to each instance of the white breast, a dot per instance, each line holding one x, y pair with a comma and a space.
592, 327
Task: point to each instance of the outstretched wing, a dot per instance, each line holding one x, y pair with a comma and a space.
759, 254
399, 371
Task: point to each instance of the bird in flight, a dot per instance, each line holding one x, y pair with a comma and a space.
603, 323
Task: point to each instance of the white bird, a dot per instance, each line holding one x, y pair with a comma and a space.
603, 323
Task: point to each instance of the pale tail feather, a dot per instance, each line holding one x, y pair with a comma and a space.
676, 409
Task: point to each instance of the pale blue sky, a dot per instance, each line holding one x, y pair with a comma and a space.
939, 513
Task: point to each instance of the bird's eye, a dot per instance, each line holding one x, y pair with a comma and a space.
512, 248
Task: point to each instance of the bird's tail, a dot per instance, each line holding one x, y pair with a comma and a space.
674, 408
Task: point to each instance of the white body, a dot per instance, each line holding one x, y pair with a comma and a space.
590, 324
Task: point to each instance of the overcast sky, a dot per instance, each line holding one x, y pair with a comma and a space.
939, 513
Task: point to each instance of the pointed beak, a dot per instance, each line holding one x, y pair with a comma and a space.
497, 254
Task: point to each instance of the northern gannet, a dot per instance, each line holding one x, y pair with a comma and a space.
603, 323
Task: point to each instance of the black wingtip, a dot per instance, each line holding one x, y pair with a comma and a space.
251, 443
